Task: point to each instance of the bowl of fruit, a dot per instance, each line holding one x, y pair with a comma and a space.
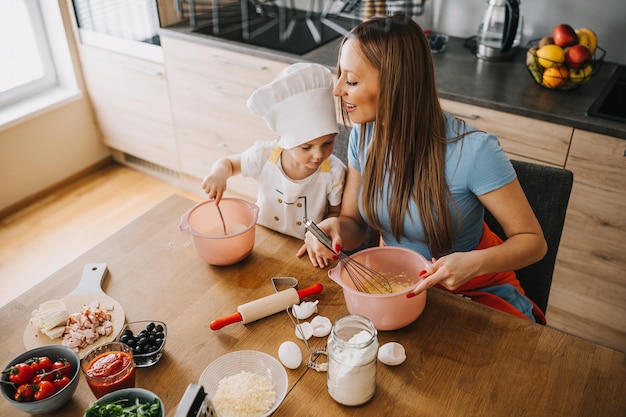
566, 60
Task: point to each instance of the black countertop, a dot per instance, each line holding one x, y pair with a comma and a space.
504, 86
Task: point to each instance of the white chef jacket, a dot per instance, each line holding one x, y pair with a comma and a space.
283, 202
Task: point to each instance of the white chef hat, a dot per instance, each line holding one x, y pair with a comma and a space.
298, 105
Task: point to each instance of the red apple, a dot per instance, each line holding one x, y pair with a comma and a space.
564, 35
577, 56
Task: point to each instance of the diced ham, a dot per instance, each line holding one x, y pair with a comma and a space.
86, 327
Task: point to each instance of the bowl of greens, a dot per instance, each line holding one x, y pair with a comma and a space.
127, 402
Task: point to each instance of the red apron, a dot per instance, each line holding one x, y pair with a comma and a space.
472, 288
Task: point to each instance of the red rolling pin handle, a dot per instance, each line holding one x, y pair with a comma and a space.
264, 307
225, 321
313, 289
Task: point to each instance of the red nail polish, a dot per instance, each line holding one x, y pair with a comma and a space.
410, 295
337, 248
335, 257
421, 273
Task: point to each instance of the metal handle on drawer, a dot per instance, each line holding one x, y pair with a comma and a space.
466, 116
137, 68
239, 64
229, 92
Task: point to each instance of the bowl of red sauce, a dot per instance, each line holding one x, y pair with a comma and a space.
109, 367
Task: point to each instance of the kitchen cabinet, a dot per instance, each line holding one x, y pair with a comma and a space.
131, 101
521, 137
209, 88
588, 295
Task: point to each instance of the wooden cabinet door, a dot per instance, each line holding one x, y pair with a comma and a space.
209, 88
521, 138
588, 294
132, 105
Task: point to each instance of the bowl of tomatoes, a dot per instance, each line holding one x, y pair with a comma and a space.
41, 380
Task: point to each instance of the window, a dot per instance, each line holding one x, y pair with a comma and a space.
36, 69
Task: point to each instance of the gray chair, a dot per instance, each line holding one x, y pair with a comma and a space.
547, 190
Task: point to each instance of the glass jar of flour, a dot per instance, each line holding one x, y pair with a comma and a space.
352, 350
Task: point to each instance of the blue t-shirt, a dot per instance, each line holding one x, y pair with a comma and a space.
475, 165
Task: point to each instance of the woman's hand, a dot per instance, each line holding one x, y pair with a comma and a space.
451, 271
320, 255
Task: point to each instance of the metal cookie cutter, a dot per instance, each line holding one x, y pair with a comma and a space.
314, 352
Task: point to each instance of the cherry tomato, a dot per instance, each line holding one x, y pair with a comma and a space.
25, 393
61, 382
21, 373
44, 390
42, 363
43, 376
63, 366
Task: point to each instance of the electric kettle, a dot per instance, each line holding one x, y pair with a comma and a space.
498, 30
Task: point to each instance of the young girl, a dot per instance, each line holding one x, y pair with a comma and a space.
298, 177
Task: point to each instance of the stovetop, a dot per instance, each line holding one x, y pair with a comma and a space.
279, 28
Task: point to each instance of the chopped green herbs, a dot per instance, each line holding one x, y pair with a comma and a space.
119, 408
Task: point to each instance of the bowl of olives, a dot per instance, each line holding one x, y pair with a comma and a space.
146, 338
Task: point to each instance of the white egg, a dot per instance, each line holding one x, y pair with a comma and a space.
392, 354
290, 355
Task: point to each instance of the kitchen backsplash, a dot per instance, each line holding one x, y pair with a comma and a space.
460, 18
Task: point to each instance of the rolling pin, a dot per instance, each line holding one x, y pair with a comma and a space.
266, 306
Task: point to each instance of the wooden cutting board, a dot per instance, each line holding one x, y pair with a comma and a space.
89, 289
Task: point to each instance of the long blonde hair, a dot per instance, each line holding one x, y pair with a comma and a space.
409, 138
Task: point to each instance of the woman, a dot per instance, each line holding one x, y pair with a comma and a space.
422, 178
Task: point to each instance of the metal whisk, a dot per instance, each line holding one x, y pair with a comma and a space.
364, 278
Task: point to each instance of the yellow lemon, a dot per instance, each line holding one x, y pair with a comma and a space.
554, 77
550, 56
580, 75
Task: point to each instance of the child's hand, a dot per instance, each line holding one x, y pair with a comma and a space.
214, 186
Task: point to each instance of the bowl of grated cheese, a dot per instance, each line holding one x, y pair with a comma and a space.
245, 383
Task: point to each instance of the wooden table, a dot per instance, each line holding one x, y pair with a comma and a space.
463, 358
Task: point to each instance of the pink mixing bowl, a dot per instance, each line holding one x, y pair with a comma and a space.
203, 222
387, 311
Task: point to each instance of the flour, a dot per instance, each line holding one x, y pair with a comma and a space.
352, 367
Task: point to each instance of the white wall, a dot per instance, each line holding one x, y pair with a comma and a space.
605, 17
46, 149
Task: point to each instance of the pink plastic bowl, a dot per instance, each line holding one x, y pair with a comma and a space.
203, 222
387, 311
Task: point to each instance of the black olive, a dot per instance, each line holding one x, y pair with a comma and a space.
150, 327
131, 342
159, 328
